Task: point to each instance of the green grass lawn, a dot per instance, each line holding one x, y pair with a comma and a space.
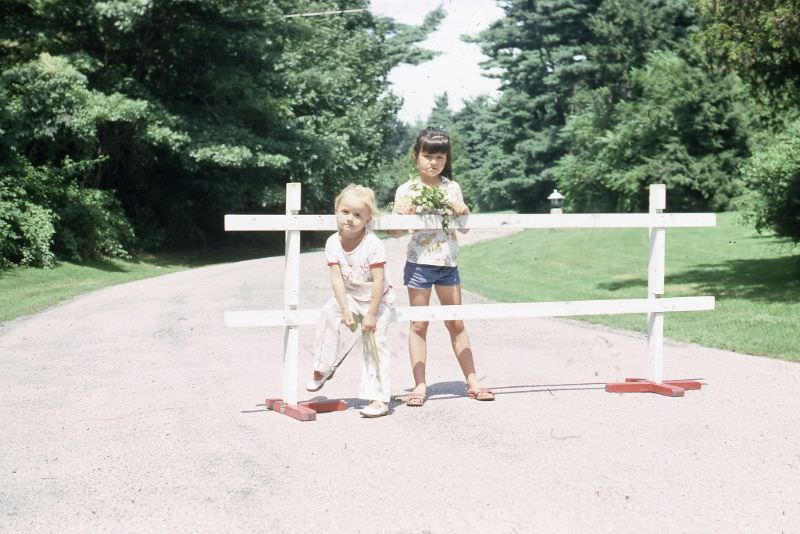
24, 291
755, 278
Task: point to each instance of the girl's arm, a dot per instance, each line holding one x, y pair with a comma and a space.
337, 283
371, 318
402, 206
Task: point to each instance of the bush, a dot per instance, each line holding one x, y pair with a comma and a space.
44, 211
772, 200
92, 224
26, 229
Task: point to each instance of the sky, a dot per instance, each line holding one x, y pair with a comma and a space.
456, 70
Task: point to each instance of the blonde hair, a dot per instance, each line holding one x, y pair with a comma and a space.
361, 194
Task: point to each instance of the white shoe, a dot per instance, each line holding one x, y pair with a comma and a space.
375, 409
315, 385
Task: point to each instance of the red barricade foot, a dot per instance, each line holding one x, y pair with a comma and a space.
325, 406
669, 388
305, 411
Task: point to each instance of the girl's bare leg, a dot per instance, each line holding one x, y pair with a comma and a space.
459, 339
417, 339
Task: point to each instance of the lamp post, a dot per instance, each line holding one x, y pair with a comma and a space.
556, 201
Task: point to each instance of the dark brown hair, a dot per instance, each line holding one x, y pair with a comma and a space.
435, 141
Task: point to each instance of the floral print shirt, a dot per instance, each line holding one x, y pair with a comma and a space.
429, 247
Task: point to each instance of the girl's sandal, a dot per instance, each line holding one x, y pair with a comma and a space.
483, 394
415, 400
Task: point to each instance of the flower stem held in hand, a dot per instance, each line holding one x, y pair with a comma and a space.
373, 343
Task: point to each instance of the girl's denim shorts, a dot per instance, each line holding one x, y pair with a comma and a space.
419, 276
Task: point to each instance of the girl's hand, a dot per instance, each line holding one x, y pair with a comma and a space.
404, 207
368, 323
459, 208
347, 318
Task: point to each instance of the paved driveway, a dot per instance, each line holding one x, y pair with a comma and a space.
133, 409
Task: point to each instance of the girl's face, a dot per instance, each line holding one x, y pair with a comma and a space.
431, 164
352, 217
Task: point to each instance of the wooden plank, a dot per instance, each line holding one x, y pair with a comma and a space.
486, 311
655, 346
266, 223
295, 411
291, 273
656, 262
291, 287
270, 318
257, 223
656, 268
657, 197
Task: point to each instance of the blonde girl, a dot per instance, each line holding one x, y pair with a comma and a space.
362, 295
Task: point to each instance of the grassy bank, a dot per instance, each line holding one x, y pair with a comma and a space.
755, 278
24, 291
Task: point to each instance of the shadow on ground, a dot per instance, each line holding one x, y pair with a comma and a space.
768, 279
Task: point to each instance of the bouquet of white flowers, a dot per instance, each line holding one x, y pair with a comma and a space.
434, 200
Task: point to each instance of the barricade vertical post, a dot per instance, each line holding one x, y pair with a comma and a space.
305, 411
655, 285
291, 296
655, 382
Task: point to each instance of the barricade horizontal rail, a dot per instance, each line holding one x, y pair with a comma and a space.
260, 223
570, 308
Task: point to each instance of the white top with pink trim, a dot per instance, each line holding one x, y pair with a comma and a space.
355, 266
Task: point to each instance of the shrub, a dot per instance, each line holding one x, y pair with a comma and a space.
26, 229
772, 199
91, 224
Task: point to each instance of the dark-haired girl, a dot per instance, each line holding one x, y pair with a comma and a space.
431, 261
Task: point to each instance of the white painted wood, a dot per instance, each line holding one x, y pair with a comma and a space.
291, 348
238, 319
293, 197
655, 345
486, 311
658, 197
291, 286
267, 223
658, 236
258, 223
291, 318
656, 261
656, 267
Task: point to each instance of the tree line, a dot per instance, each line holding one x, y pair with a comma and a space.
600, 98
130, 125
137, 124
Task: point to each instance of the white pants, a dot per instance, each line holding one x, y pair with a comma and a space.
334, 339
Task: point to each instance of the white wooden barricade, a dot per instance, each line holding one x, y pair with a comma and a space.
654, 305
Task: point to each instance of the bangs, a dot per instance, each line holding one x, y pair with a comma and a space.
435, 144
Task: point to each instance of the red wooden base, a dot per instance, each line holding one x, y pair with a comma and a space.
305, 411
669, 388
